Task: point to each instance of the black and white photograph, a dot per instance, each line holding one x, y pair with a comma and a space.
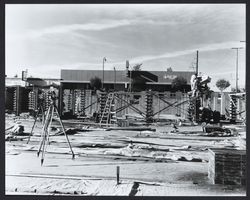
125, 99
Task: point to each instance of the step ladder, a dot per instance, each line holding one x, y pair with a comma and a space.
108, 116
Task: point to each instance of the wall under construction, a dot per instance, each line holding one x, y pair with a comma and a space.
83, 102
227, 166
86, 102
20, 99
16, 99
127, 103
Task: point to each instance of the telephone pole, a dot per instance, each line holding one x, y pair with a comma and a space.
197, 100
237, 63
104, 60
197, 62
114, 77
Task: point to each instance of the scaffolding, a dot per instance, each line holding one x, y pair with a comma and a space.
235, 109
115, 102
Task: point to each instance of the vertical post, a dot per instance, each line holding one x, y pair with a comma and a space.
60, 99
114, 78
214, 102
159, 107
196, 72
233, 108
197, 62
91, 100
104, 59
118, 175
102, 72
221, 103
237, 55
131, 80
126, 99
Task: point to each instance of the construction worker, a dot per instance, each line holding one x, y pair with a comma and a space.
193, 82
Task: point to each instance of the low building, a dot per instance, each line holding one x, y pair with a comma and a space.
120, 80
75, 85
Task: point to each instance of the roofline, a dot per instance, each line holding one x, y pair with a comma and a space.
75, 81
109, 70
109, 82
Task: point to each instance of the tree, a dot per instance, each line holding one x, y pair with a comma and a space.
136, 82
137, 67
169, 69
222, 84
95, 83
179, 83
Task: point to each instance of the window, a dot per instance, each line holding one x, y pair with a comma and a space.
172, 95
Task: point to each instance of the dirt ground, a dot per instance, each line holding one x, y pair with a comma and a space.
157, 163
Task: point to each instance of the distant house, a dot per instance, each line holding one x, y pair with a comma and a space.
13, 81
29, 82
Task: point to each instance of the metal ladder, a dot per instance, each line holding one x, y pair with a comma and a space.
108, 116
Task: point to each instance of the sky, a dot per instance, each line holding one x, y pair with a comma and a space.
47, 38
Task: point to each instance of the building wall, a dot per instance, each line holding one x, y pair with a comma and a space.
126, 98
16, 99
86, 75
165, 77
227, 166
139, 97
158, 104
216, 104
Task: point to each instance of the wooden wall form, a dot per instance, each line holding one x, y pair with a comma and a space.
69, 99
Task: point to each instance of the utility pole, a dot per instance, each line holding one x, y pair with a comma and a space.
196, 72
104, 60
131, 80
197, 62
115, 78
237, 55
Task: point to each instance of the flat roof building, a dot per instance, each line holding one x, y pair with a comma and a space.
81, 79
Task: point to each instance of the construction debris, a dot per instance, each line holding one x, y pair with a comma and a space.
219, 131
131, 129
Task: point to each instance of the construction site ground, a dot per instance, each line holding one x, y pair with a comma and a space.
156, 163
